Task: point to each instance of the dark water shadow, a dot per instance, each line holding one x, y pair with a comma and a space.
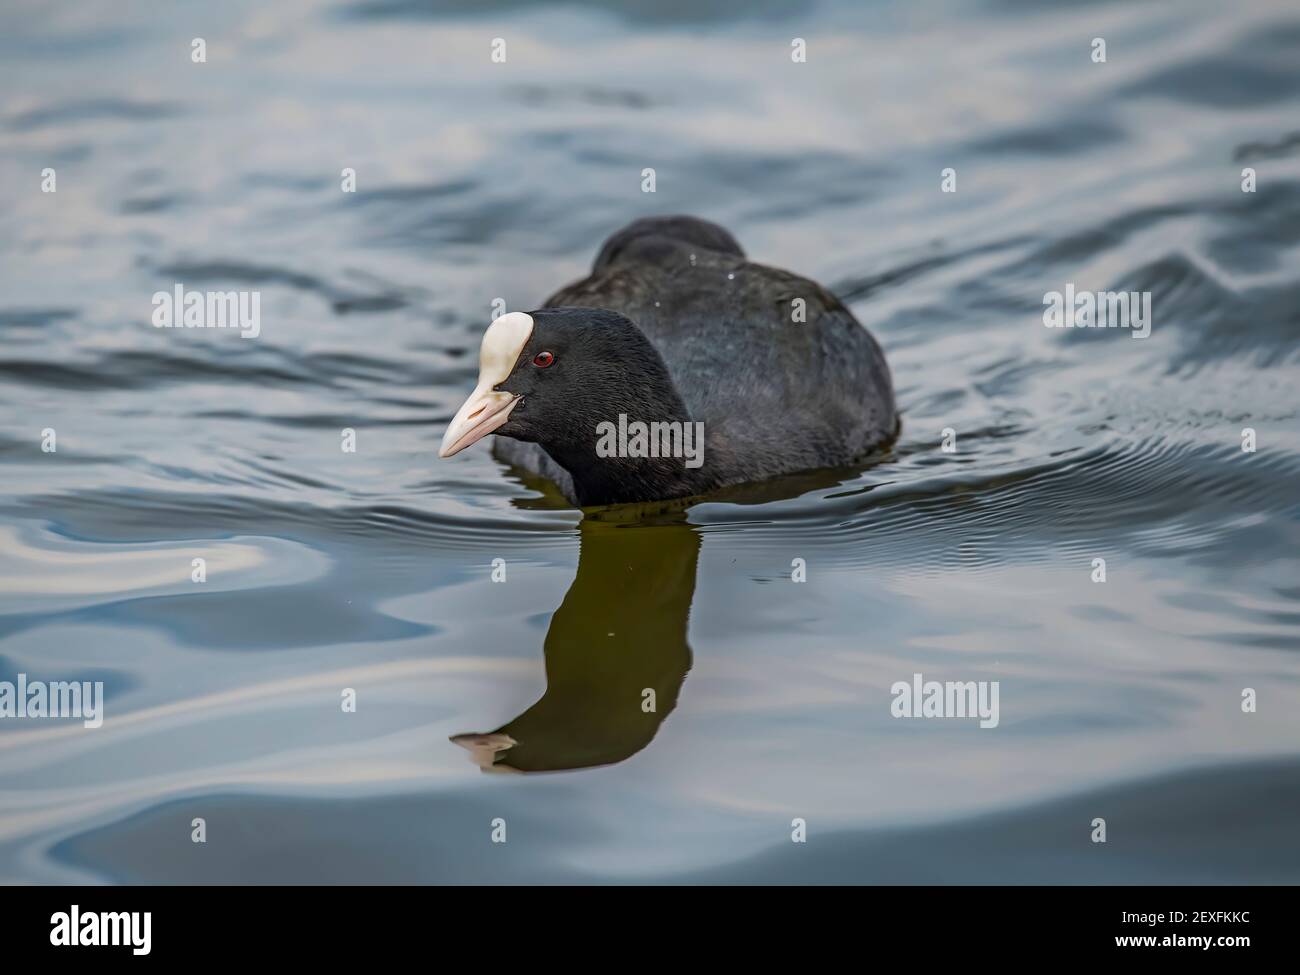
781, 488
616, 650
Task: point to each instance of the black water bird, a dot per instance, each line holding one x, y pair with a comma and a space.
675, 338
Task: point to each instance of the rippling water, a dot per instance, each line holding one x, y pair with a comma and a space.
373, 570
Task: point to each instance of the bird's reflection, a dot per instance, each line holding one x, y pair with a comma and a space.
616, 651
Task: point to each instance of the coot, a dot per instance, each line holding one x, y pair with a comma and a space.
677, 367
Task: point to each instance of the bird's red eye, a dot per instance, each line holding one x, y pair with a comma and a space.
543, 359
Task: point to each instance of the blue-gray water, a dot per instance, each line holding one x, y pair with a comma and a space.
372, 570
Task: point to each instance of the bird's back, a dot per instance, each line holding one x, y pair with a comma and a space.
778, 369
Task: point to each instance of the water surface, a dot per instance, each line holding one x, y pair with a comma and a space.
373, 570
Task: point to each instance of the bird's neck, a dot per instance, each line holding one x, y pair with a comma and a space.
629, 460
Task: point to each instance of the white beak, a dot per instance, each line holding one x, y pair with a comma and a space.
488, 408
483, 749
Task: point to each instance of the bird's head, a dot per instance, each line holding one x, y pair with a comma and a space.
559, 377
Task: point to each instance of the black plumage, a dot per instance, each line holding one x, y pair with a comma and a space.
674, 324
